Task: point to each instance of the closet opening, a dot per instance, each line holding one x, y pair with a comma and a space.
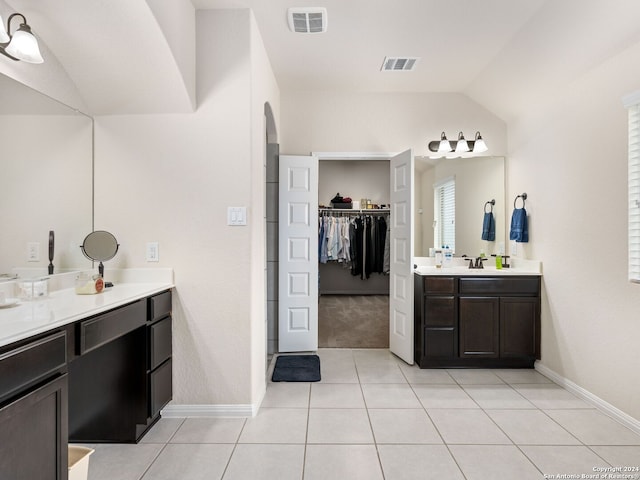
353, 293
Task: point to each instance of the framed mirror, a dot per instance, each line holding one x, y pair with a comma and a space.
478, 180
46, 172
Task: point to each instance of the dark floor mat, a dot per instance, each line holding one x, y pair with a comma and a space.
297, 368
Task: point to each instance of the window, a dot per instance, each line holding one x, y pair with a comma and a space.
632, 102
444, 232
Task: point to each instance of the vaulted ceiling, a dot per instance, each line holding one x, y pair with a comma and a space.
127, 56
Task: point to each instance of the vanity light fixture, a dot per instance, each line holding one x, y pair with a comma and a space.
22, 44
444, 146
478, 144
460, 146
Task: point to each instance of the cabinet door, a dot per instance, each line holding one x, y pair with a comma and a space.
479, 327
439, 311
518, 336
33, 434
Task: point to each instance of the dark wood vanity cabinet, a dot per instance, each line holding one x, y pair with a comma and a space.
487, 321
33, 409
120, 376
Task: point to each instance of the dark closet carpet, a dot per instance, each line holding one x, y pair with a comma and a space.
353, 321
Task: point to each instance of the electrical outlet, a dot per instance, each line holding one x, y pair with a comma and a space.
153, 253
33, 252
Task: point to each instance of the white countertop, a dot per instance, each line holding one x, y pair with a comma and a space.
63, 306
466, 271
425, 266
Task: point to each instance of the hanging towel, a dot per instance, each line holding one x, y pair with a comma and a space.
519, 230
488, 227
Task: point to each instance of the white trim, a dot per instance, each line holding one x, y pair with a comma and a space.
631, 99
353, 155
185, 411
608, 409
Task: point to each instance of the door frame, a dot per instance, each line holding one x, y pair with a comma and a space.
368, 156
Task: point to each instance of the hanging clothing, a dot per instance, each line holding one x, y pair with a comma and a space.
360, 242
386, 265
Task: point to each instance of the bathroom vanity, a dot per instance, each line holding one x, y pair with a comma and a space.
476, 318
81, 368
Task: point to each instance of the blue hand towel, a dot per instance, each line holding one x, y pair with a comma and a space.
519, 230
488, 227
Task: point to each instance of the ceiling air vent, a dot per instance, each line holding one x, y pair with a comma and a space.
307, 19
399, 64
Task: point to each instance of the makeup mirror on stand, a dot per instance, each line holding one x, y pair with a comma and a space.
100, 246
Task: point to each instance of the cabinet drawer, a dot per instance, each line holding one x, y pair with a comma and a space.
29, 364
160, 342
159, 306
440, 311
440, 342
161, 387
439, 284
102, 329
500, 286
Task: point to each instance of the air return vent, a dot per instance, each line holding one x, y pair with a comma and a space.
399, 64
307, 19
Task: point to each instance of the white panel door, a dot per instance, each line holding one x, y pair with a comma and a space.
298, 254
401, 274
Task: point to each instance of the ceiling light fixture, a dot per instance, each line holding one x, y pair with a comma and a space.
459, 146
22, 44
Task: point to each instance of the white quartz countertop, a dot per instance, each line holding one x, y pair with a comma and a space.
460, 267
466, 271
64, 306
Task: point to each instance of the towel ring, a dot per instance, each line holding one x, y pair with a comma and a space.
523, 197
491, 202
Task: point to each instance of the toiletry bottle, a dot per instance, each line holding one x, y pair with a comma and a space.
498, 262
448, 257
438, 258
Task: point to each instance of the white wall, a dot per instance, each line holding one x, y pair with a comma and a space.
354, 178
170, 179
326, 121
572, 162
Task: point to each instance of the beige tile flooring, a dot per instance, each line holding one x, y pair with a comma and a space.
374, 417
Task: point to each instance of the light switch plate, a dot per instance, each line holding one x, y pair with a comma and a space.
236, 215
153, 253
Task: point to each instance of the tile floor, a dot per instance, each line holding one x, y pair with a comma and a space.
374, 417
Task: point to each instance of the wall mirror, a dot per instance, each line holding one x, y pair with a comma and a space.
477, 181
45, 181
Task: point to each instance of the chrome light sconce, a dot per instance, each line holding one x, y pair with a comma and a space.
459, 146
22, 44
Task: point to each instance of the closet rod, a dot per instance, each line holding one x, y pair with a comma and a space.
354, 210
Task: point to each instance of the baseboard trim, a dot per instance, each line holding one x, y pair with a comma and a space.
185, 411
615, 413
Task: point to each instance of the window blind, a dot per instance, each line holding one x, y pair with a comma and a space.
445, 214
634, 191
